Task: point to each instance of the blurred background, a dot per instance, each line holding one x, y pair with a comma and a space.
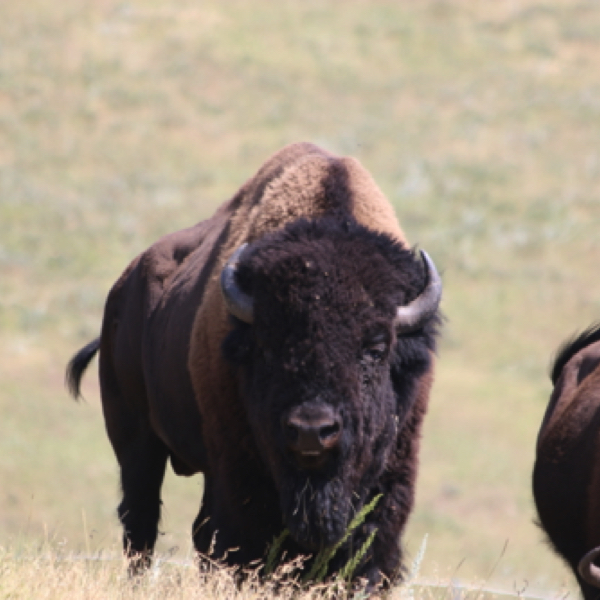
480, 120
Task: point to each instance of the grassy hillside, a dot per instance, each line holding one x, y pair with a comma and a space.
120, 122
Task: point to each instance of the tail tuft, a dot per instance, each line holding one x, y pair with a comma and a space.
77, 365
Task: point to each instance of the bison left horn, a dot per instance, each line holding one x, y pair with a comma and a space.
415, 314
239, 304
588, 570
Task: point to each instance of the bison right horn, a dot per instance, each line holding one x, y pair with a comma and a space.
415, 314
588, 570
239, 304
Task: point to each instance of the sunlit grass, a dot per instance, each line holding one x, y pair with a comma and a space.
50, 572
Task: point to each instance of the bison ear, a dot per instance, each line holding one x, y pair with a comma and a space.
238, 303
415, 314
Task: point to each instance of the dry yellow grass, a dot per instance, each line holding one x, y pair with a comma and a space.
49, 575
48, 572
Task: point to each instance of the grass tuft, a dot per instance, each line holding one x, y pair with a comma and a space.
274, 552
319, 567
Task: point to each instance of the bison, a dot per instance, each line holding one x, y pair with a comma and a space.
285, 349
566, 475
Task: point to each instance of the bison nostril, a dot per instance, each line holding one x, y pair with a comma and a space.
327, 432
311, 432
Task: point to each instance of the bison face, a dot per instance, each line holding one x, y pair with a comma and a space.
325, 377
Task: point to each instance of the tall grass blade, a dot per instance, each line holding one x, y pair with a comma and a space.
319, 567
273, 554
416, 564
348, 571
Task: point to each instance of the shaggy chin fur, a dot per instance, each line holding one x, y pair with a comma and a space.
323, 291
315, 511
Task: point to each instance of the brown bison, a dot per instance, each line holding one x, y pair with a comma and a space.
566, 476
283, 348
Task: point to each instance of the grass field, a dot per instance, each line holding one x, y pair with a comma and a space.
122, 121
48, 573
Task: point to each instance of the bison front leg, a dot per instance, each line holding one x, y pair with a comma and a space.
383, 562
238, 520
387, 549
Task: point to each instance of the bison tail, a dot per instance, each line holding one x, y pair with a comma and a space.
77, 365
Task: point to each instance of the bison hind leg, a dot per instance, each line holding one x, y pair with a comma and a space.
143, 464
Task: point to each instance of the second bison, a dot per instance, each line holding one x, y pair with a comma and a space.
566, 476
284, 348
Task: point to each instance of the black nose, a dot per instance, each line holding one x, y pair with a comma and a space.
311, 431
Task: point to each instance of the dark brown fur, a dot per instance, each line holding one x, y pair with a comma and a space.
182, 380
566, 476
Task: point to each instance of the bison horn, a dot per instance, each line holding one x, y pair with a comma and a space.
239, 304
415, 314
588, 570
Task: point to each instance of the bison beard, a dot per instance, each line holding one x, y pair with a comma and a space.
317, 508
316, 513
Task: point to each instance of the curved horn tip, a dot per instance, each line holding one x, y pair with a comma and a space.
415, 314
431, 268
238, 303
586, 568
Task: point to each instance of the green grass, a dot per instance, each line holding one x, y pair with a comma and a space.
120, 122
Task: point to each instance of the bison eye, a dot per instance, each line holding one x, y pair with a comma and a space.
375, 350
375, 353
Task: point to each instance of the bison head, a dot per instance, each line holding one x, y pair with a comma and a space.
334, 324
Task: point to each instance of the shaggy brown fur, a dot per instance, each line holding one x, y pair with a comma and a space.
170, 391
566, 477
